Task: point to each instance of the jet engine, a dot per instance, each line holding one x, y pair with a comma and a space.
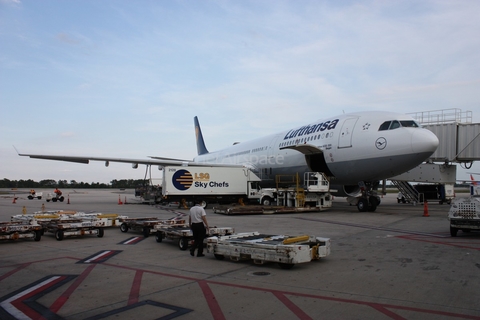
346, 191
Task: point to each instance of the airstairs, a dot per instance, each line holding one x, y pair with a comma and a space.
410, 194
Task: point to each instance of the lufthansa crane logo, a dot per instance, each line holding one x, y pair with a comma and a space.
182, 179
381, 143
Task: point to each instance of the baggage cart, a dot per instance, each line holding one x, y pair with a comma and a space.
184, 235
286, 250
62, 228
20, 230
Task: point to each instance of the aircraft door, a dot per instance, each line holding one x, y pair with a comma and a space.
346, 134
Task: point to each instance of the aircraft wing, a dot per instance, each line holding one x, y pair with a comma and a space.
158, 161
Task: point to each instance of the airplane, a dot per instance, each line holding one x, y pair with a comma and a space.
354, 150
474, 186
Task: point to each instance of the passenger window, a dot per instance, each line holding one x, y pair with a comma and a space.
385, 126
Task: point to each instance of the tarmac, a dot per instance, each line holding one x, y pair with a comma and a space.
395, 263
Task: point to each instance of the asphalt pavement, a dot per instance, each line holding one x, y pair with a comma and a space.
395, 263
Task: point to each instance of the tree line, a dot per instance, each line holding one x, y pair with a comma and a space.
50, 183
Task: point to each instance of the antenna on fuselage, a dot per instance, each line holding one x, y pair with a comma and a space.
201, 149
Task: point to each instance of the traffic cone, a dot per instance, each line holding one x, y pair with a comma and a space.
14, 199
119, 200
425, 209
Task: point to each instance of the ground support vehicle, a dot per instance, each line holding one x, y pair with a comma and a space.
144, 225
184, 235
68, 227
100, 219
20, 230
36, 195
54, 198
464, 215
283, 249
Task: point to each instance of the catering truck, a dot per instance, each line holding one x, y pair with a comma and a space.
226, 185
210, 184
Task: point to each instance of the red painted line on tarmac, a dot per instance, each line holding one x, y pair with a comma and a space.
474, 245
135, 290
290, 305
66, 295
211, 300
17, 301
8, 274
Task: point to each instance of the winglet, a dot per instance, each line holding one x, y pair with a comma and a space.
201, 149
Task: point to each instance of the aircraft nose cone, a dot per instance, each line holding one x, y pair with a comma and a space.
424, 141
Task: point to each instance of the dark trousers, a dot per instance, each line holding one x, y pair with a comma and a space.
199, 233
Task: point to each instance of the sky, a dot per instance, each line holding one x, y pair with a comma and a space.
121, 78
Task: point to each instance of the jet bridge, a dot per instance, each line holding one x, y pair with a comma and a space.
458, 144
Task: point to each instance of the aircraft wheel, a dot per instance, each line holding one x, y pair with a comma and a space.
59, 235
183, 243
373, 204
362, 205
100, 233
453, 231
158, 236
124, 227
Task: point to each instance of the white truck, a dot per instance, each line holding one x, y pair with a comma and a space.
464, 215
238, 184
210, 184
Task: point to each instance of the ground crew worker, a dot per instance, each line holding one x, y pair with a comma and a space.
58, 192
32, 192
199, 225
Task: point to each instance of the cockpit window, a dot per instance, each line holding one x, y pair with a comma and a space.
409, 124
385, 126
394, 124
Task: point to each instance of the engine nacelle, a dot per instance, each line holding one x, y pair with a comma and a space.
346, 191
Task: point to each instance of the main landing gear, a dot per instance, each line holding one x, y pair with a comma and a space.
369, 199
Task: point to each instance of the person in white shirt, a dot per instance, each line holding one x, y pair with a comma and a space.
199, 225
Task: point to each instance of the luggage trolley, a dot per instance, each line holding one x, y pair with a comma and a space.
73, 227
184, 234
261, 248
20, 230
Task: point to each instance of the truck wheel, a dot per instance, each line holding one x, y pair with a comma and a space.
124, 227
61, 199
158, 236
38, 235
39, 198
266, 201
100, 233
453, 231
59, 235
183, 243
54, 199
30, 197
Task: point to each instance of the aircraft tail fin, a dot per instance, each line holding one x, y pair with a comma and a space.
201, 149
